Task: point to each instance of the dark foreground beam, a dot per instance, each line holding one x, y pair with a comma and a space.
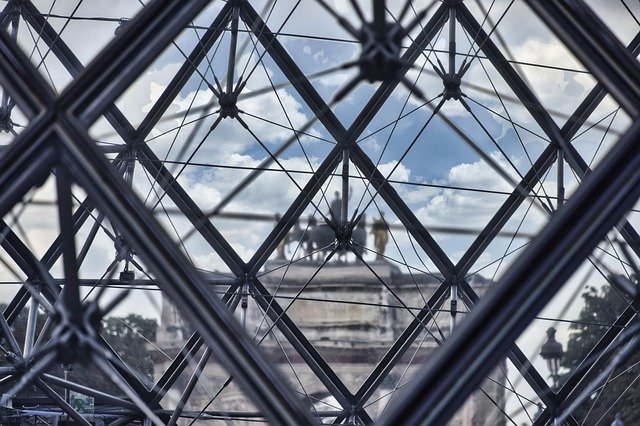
481, 341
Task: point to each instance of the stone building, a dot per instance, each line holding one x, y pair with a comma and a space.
352, 314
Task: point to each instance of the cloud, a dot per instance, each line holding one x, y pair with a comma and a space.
467, 208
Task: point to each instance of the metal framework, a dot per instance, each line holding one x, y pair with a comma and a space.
56, 153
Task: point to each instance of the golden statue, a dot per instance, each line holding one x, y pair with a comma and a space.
380, 231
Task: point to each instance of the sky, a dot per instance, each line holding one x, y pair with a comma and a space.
439, 176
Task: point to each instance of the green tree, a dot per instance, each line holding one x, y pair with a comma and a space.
131, 337
128, 336
600, 307
621, 394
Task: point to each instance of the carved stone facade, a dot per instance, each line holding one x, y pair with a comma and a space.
352, 314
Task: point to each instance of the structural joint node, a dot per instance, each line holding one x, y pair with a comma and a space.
452, 88
380, 58
6, 125
228, 105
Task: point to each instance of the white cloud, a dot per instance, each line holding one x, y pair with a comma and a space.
468, 208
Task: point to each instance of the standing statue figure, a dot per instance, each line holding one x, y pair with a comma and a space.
310, 240
300, 235
360, 237
380, 231
283, 243
335, 208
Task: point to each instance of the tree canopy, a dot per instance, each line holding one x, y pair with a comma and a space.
130, 337
621, 393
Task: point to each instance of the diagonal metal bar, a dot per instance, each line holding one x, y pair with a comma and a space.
516, 356
403, 212
295, 210
417, 47
17, 250
185, 72
5, 15
179, 280
187, 352
177, 366
510, 75
29, 91
525, 288
24, 164
126, 57
593, 99
307, 351
190, 210
72, 64
595, 45
291, 70
191, 384
400, 346
627, 231
575, 383
17, 304
508, 208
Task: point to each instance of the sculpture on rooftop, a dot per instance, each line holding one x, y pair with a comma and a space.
380, 231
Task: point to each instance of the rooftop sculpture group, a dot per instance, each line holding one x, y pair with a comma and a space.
316, 240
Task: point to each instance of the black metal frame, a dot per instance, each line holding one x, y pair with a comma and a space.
57, 136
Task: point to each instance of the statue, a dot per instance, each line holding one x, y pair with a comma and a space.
283, 242
360, 237
300, 235
335, 208
380, 231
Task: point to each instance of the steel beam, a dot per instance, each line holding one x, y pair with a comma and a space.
307, 351
628, 232
178, 279
293, 73
596, 46
72, 64
22, 81
294, 212
531, 281
517, 357
400, 346
403, 212
575, 383
182, 359
506, 211
205, 42
5, 15
126, 57
17, 250
190, 210
417, 48
510, 75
